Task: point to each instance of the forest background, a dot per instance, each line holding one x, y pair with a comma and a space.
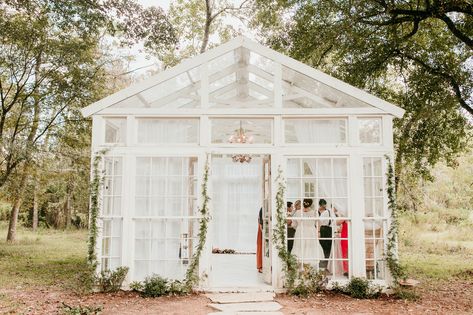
57, 57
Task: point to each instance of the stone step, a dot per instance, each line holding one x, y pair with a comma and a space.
224, 298
247, 307
246, 313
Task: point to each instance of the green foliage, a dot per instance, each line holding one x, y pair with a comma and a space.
112, 280
192, 278
414, 61
395, 268
359, 288
155, 286
95, 187
279, 235
405, 294
80, 310
309, 281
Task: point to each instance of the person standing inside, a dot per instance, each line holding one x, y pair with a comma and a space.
290, 230
259, 242
306, 248
325, 231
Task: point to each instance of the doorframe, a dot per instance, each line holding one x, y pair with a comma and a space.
205, 264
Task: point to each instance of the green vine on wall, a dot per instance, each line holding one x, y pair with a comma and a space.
95, 185
279, 235
395, 268
192, 277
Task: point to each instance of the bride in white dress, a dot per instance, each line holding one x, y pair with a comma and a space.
306, 244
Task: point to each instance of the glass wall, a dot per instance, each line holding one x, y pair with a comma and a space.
318, 190
375, 217
166, 216
111, 216
317, 131
166, 130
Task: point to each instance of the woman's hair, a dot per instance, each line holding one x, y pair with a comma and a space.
307, 203
322, 202
289, 204
298, 202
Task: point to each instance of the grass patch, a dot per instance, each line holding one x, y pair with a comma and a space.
434, 255
47, 257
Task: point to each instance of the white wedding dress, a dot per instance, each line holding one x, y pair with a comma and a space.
306, 244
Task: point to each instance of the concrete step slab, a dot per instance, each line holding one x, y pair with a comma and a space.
224, 298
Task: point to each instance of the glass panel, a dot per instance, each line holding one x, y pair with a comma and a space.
115, 130
262, 62
179, 91
340, 168
233, 131
293, 168
315, 130
168, 130
367, 170
369, 130
315, 94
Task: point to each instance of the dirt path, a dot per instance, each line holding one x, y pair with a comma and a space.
454, 297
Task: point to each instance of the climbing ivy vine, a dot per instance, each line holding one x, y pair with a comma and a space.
395, 268
94, 189
192, 277
279, 235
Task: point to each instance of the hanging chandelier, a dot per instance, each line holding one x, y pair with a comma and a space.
240, 137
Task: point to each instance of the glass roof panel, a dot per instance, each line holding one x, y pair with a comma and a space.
262, 62
313, 93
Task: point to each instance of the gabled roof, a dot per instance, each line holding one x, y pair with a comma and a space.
241, 41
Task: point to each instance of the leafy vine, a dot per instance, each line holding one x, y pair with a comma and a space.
95, 185
192, 277
279, 236
395, 268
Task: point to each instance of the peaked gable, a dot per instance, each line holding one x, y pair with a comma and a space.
242, 72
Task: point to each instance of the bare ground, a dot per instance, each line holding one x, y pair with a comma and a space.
447, 297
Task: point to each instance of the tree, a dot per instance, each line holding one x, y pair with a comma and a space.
196, 22
50, 66
413, 53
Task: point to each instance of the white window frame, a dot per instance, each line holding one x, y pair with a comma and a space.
304, 144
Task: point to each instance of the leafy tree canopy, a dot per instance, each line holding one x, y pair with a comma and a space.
417, 54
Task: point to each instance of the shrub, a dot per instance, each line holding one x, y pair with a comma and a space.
359, 288
405, 294
80, 310
155, 286
310, 281
111, 281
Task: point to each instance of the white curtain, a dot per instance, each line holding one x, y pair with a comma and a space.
167, 130
319, 131
236, 200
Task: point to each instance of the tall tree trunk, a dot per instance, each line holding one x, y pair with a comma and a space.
208, 22
67, 210
35, 208
11, 236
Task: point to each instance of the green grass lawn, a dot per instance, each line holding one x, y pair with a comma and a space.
47, 257
57, 258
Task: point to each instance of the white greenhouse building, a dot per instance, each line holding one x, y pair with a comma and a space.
249, 111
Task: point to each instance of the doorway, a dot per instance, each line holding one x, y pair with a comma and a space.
239, 191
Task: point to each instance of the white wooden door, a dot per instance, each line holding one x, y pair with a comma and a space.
267, 229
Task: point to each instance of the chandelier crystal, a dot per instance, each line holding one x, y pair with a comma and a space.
241, 137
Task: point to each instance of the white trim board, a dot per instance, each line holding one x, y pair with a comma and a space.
242, 41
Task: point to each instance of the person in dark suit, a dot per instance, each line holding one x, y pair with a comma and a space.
290, 230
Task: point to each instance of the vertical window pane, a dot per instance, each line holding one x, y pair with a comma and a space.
369, 130
168, 130
115, 130
315, 130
